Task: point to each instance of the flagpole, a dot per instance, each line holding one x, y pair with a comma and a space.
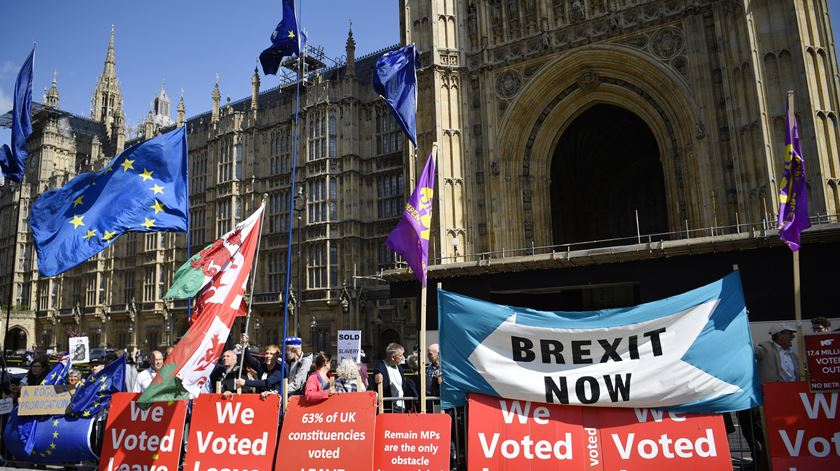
797, 292
251, 282
423, 317
292, 192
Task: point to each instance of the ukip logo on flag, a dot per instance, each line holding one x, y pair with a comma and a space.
411, 236
793, 194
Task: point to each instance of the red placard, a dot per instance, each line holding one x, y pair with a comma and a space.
408, 442
802, 427
658, 439
337, 433
505, 434
823, 354
142, 439
235, 433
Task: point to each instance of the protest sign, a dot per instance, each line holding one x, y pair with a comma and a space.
236, 433
336, 433
79, 349
408, 442
44, 400
506, 434
349, 345
802, 427
142, 439
823, 354
691, 352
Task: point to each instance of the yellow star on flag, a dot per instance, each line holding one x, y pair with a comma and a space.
157, 188
95, 404
104, 386
86, 413
52, 445
48, 452
127, 164
90, 233
149, 223
55, 423
77, 221
108, 235
55, 434
291, 34
158, 206
146, 175
78, 201
103, 379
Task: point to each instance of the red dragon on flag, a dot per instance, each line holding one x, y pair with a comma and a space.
188, 367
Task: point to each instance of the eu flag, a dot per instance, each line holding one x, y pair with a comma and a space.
395, 79
793, 194
143, 189
95, 394
411, 236
12, 160
27, 426
284, 40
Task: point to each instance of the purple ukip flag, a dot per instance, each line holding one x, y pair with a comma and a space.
793, 194
411, 236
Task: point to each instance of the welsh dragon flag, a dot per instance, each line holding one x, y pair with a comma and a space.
189, 365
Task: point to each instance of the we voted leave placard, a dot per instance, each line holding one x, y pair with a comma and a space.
137, 439
239, 433
690, 353
803, 429
507, 434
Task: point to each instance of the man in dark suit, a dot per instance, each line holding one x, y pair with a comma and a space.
225, 373
390, 374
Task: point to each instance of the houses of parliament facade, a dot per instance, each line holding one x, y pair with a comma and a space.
591, 154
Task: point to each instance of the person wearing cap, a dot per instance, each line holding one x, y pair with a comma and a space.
299, 365
820, 325
777, 362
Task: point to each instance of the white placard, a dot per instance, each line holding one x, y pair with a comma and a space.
6, 406
79, 350
349, 345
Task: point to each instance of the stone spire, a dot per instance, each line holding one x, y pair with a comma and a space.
52, 97
350, 49
181, 111
217, 97
107, 101
255, 91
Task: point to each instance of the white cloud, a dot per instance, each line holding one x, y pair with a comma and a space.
5, 102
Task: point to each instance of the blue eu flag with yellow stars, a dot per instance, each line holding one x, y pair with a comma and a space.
143, 189
285, 40
95, 394
26, 427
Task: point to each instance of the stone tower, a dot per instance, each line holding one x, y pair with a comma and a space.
107, 100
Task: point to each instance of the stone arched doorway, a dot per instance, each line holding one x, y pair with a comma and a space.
15, 339
605, 168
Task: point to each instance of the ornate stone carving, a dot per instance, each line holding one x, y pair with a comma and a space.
577, 13
667, 43
508, 84
588, 80
680, 63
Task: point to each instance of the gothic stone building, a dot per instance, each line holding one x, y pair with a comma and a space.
603, 153
350, 169
592, 154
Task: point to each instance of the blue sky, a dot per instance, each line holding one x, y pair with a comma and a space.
183, 42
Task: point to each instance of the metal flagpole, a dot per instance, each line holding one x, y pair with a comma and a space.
251, 282
292, 193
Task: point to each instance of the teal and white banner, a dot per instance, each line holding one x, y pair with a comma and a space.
692, 352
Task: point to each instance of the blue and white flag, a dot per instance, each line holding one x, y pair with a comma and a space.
691, 353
